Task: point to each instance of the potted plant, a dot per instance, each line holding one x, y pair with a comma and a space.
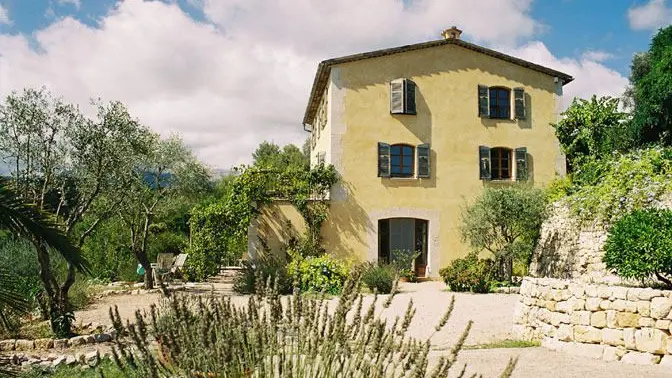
404, 262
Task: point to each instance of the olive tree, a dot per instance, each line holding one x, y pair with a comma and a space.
505, 222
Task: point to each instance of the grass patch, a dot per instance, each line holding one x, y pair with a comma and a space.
106, 369
503, 344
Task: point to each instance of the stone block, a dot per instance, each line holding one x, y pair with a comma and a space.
550, 305
604, 291
619, 292
613, 337
593, 304
644, 308
610, 354
565, 294
563, 306
580, 318
666, 360
78, 340
24, 345
598, 319
61, 343
647, 322
577, 290
611, 319
591, 291
619, 305
639, 358
587, 334
605, 305
631, 306
594, 351
553, 344
633, 294
663, 324
648, 293
90, 339
651, 340
44, 344
529, 301
629, 338
565, 332
7, 345
522, 332
627, 319
660, 307
103, 337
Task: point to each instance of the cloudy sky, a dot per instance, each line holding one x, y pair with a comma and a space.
227, 74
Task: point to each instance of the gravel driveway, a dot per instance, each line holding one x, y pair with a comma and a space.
492, 321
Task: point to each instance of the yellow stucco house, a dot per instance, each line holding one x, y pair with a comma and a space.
415, 132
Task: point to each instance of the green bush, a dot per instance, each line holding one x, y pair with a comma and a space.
380, 278
639, 246
468, 274
264, 267
403, 261
319, 274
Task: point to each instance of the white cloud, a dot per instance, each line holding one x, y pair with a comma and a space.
590, 76
596, 55
245, 76
76, 3
653, 15
4, 16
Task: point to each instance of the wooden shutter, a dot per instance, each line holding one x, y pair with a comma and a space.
519, 103
423, 160
484, 162
383, 159
521, 164
483, 101
397, 96
409, 97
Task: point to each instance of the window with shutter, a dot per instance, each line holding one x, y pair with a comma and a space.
402, 158
500, 103
522, 173
500, 163
484, 162
409, 97
483, 101
397, 96
519, 103
383, 159
423, 160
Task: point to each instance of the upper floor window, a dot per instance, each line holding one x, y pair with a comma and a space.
402, 96
495, 102
403, 160
500, 103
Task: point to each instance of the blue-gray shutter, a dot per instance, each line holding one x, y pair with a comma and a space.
519, 103
521, 164
409, 97
483, 101
484, 162
423, 160
383, 159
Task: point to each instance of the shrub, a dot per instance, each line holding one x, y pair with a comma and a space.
639, 246
380, 278
403, 261
264, 267
468, 274
296, 336
319, 274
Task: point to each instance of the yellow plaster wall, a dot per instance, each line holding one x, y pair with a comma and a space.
271, 226
447, 78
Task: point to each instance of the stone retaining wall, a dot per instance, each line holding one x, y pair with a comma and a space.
600, 321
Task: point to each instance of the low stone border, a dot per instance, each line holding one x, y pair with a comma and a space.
47, 344
133, 290
53, 361
508, 290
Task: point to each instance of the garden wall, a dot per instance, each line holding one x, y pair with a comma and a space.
271, 230
595, 320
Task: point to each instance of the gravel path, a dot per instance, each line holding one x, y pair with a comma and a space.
492, 321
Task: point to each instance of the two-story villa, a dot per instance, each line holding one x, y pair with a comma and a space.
416, 132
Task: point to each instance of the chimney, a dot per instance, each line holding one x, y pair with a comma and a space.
452, 33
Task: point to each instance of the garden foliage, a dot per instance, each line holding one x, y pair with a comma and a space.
639, 246
379, 278
470, 273
319, 274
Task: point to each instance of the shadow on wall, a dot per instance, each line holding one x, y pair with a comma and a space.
277, 223
347, 225
548, 261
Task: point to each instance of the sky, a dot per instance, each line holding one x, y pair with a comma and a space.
228, 74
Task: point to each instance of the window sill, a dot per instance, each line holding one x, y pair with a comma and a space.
402, 178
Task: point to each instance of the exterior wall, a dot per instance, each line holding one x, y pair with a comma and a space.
446, 98
320, 137
632, 325
271, 227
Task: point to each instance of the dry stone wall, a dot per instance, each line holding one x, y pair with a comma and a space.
596, 320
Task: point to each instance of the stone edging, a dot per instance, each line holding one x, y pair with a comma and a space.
633, 325
53, 361
47, 344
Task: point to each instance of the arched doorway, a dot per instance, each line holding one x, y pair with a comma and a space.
404, 234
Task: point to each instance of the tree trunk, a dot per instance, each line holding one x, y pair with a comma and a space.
58, 305
144, 261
